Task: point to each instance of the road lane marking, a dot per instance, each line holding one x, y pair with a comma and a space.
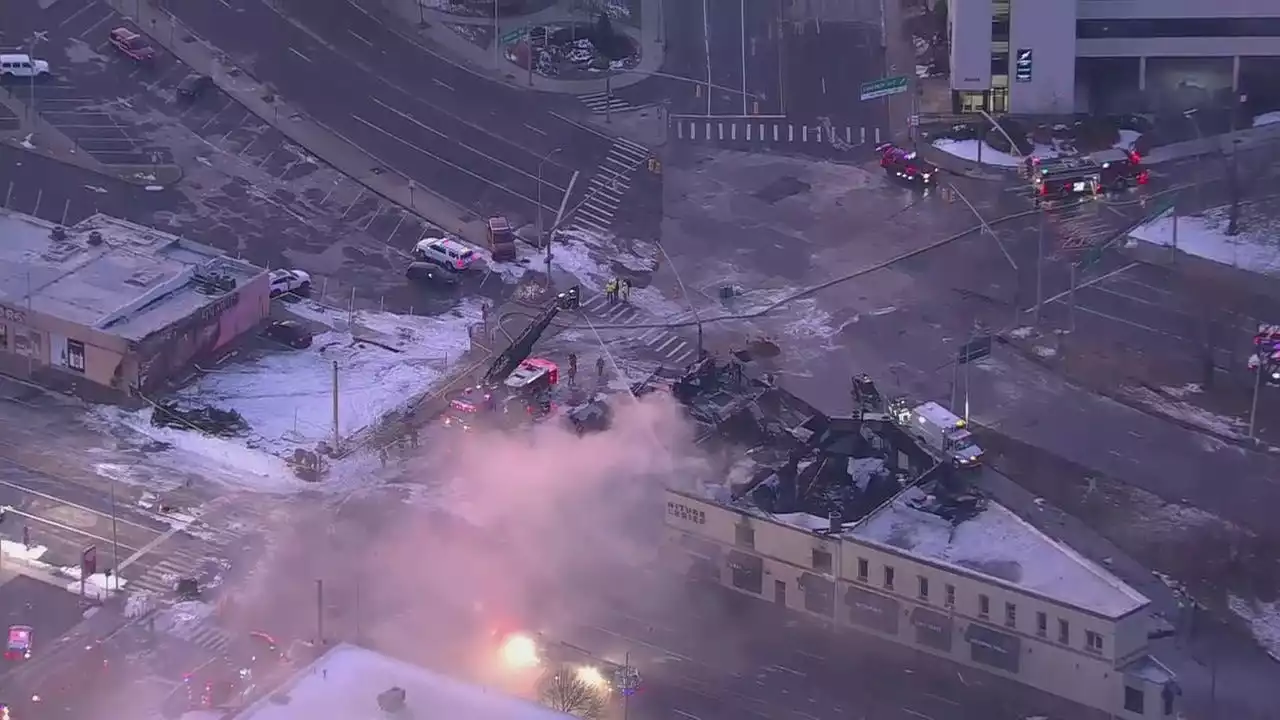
76, 14
1131, 323
543, 180
443, 84
68, 528
395, 229
226, 4
361, 38
537, 130
941, 699
215, 115
346, 212
304, 57
156, 543
684, 714
95, 26
915, 713
67, 503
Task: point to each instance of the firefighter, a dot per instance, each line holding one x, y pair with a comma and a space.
600, 368
625, 286
611, 291
382, 455
573, 368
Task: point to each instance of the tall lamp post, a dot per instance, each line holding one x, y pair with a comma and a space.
685, 293
36, 37
541, 239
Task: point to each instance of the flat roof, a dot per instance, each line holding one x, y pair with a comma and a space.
345, 683
1000, 545
134, 282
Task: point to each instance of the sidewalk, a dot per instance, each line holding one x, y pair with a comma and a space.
492, 61
379, 176
1200, 147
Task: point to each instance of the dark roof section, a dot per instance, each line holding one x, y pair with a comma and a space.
797, 459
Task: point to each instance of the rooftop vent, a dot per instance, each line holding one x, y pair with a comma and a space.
95, 238
59, 234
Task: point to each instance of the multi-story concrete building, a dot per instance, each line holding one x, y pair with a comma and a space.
1064, 56
107, 308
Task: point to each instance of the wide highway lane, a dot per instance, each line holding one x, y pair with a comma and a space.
824, 66
727, 56
469, 139
762, 33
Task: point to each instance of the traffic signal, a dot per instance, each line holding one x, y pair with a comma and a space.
655, 166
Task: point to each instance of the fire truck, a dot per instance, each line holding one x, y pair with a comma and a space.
515, 387
1266, 353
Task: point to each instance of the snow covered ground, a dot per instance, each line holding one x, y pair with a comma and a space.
1270, 118
969, 150
385, 362
1263, 619
1256, 248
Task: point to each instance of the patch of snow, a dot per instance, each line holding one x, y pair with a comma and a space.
385, 362
1128, 139
1269, 118
1022, 333
1188, 413
20, 552
976, 151
26, 142
1044, 351
1263, 619
863, 470
97, 586
999, 544
138, 604
182, 615
1181, 391
1255, 249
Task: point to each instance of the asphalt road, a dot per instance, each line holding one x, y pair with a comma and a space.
50, 611
475, 142
824, 65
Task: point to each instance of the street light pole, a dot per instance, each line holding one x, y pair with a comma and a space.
546, 241
115, 539
685, 293
1253, 406
497, 38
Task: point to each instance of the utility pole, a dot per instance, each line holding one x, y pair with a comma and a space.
319, 611
547, 239
115, 540
1253, 406
1234, 189
685, 293
1040, 267
955, 380
497, 36
528, 44
608, 96
337, 438
1071, 308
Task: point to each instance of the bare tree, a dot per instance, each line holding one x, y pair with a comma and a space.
565, 689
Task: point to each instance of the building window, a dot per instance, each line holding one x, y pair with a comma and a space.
1178, 28
1042, 624
923, 588
1092, 641
984, 607
744, 536
822, 561
75, 355
1000, 63
1064, 632
1010, 615
864, 569
4, 338
1000, 29
1134, 700
949, 592
888, 577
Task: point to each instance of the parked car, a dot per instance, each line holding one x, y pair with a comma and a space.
289, 281
193, 86
18, 65
134, 46
19, 643
289, 332
445, 252
431, 275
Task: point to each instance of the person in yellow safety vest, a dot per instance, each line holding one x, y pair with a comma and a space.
611, 291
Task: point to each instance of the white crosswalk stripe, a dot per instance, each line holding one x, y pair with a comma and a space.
600, 102
608, 186
771, 131
203, 633
669, 347
190, 554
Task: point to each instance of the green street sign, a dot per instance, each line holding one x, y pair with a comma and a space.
512, 37
882, 88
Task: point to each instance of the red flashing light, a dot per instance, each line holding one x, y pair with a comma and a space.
1144, 177
1044, 189
460, 265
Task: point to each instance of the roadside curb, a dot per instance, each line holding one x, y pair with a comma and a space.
88, 164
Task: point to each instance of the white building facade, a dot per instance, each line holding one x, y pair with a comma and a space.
1091, 658
1064, 56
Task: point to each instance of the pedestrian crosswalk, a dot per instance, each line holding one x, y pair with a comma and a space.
202, 632
199, 551
607, 186
600, 103
755, 131
669, 348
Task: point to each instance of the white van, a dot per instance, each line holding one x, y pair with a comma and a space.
22, 66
